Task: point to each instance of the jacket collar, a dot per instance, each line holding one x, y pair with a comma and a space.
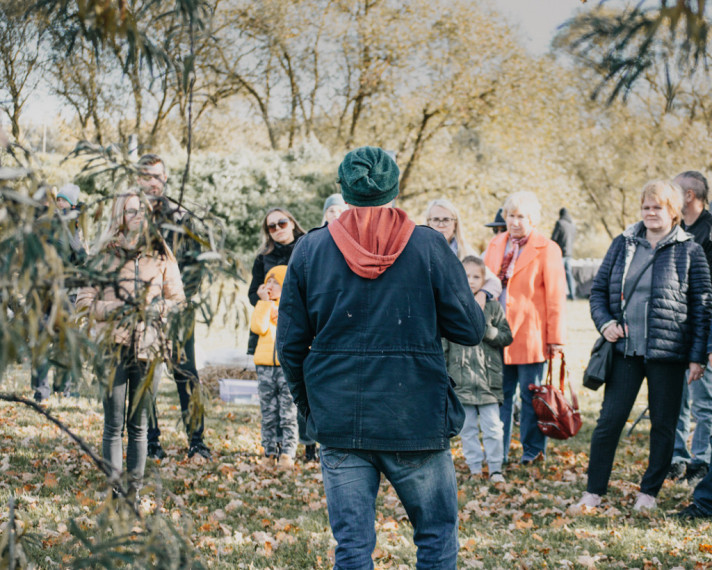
536, 242
637, 229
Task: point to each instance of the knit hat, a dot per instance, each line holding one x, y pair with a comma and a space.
368, 177
278, 272
333, 200
498, 221
70, 192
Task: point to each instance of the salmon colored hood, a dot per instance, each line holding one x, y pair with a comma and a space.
371, 239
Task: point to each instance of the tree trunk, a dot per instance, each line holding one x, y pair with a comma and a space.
417, 148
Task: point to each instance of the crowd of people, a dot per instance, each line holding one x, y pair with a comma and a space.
379, 340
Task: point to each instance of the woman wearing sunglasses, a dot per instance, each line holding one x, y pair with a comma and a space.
280, 232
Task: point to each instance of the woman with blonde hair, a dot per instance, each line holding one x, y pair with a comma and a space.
130, 314
443, 217
533, 297
650, 297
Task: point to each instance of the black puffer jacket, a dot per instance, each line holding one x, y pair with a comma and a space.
679, 305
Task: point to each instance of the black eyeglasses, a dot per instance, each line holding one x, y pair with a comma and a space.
440, 221
283, 223
499, 229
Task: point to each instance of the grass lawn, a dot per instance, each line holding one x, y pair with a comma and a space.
236, 514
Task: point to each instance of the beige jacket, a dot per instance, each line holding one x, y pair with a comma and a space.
152, 278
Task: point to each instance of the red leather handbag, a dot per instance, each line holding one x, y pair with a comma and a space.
556, 417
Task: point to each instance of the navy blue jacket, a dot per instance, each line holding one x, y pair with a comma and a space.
363, 358
678, 309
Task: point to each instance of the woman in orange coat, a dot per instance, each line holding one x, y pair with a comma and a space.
533, 297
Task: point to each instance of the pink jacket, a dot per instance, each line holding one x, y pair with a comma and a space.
536, 297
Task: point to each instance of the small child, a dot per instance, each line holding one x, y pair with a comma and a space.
477, 372
276, 403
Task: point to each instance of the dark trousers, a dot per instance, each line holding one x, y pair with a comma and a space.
303, 436
703, 494
129, 380
665, 381
185, 374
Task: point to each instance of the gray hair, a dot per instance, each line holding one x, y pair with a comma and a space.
524, 202
695, 181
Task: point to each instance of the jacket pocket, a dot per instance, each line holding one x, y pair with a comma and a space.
494, 373
454, 412
332, 457
414, 459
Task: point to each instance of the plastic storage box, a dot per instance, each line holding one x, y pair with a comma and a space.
238, 391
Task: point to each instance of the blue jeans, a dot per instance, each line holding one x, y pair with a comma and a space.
533, 441
696, 400
570, 278
39, 380
129, 380
482, 419
425, 483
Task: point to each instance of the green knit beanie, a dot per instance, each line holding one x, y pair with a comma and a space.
368, 177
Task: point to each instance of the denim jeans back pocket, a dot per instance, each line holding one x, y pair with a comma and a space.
414, 458
332, 457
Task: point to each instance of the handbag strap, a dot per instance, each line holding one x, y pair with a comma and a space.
562, 372
562, 380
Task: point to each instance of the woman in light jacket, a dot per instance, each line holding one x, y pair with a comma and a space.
534, 300
662, 276
130, 315
443, 217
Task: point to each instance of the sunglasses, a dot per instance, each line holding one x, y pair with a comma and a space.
283, 223
499, 230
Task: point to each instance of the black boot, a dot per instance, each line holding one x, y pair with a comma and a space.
310, 453
155, 451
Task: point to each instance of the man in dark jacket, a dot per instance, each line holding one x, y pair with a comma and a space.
365, 303
152, 179
564, 235
697, 396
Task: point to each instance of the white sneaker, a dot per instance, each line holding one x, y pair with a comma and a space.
497, 477
588, 501
644, 502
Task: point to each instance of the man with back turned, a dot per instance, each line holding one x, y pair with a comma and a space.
365, 303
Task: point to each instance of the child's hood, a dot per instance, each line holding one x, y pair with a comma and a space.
278, 272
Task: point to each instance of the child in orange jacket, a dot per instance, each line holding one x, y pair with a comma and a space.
276, 403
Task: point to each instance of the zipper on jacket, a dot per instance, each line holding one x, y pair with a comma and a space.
136, 341
136, 276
